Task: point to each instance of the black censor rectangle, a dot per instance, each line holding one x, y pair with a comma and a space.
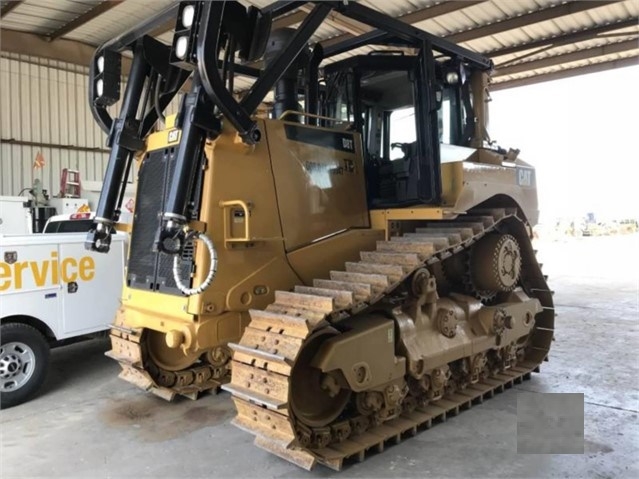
550, 423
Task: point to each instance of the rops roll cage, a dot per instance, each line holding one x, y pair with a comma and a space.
203, 29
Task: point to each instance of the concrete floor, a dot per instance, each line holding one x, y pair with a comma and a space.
88, 423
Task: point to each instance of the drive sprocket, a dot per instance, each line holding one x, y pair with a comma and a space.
494, 265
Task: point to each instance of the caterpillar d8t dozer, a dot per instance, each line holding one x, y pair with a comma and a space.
351, 270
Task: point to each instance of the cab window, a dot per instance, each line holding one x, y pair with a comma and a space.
402, 131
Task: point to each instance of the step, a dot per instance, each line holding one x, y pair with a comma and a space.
259, 420
311, 316
450, 235
261, 359
361, 291
496, 213
423, 250
474, 226
279, 323
439, 241
343, 299
272, 388
401, 259
486, 220
296, 456
394, 272
464, 232
324, 304
276, 345
378, 282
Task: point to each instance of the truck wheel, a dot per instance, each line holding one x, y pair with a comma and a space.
24, 360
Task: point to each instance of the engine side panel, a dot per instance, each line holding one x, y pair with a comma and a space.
319, 178
484, 175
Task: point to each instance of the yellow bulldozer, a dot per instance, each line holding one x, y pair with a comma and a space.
353, 266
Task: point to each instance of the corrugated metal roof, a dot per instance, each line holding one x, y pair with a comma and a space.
43, 16
487, 27
119, 19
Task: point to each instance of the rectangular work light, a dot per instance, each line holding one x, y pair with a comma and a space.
183, 48
106, 77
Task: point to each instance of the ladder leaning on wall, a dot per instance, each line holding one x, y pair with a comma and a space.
70, 184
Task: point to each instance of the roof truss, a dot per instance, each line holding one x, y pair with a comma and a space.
571, 72
9, 6
572, 37
536, 16
565, 58
89, 15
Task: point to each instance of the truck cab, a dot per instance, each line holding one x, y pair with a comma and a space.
69, 223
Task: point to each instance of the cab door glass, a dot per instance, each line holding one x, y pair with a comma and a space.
444, 119
402, 130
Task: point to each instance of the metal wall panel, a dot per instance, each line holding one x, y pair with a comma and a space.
44, 107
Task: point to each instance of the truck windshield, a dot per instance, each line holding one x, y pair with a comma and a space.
71, 226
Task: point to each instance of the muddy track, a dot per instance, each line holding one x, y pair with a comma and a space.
272, 344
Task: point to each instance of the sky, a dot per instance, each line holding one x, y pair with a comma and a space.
582, 136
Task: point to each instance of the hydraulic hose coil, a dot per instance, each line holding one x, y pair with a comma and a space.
212, 269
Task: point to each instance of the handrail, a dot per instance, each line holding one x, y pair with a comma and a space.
226, 205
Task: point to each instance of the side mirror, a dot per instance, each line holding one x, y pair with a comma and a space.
259, 26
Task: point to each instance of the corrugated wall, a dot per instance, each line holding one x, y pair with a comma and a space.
44, 108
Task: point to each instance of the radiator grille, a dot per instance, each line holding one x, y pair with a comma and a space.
148, 269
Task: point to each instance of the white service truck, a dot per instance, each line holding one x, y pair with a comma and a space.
52, 290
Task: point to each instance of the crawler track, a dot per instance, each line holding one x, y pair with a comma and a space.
130, 350
272, 344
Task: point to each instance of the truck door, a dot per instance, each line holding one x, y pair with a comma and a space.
91, 286
27, 284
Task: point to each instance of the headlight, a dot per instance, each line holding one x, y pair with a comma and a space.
187, 16
452, 78
181, 47
99, 87
100, 63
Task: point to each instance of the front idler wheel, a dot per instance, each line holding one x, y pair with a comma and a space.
316, 399
166, 357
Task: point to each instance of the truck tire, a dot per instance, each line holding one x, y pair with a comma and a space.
24, 361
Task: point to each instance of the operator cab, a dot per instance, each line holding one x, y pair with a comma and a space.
384, 96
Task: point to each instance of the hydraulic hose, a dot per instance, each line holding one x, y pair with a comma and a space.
212, 269
156, 100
